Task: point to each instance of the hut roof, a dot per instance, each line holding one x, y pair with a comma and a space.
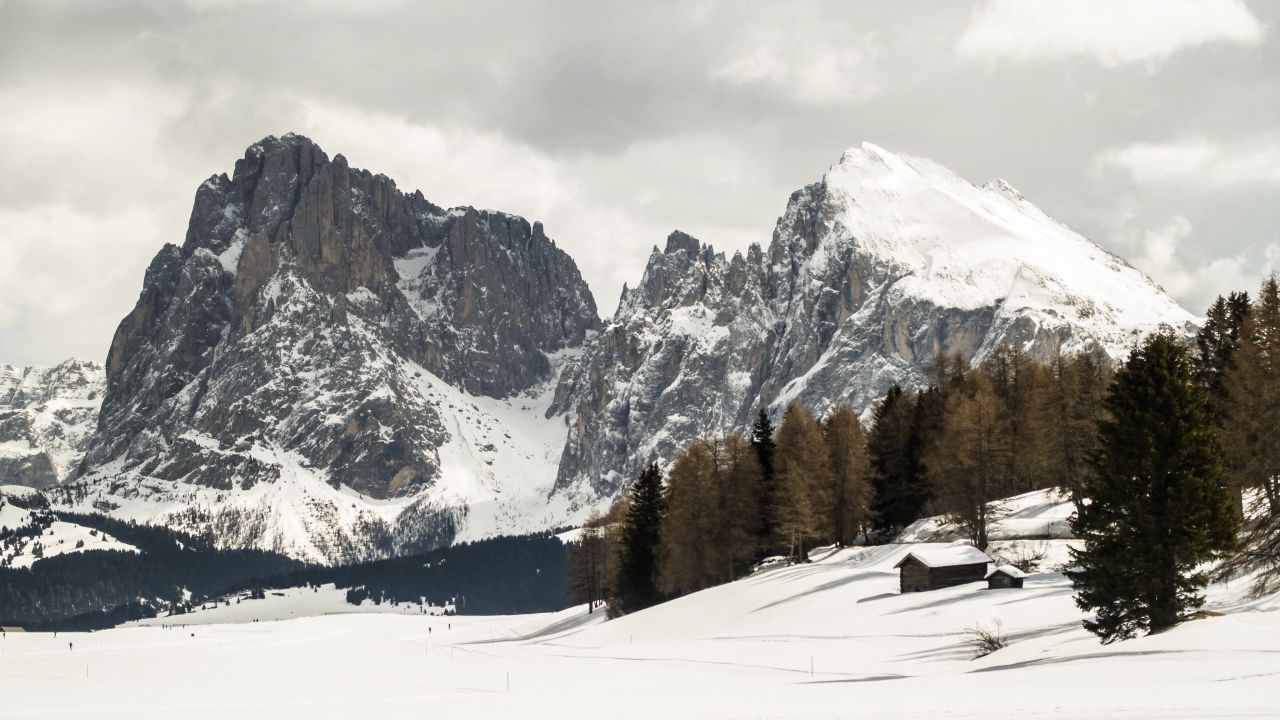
1009, 570
947, 556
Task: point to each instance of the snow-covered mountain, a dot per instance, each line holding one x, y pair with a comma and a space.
47, 415
872, 272
335, 369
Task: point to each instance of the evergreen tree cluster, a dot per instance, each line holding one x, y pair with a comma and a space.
726, 502
173, 572
89, 590
1155, 507
1236, 364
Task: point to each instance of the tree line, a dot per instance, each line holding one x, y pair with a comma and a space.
172, 571
1166, 457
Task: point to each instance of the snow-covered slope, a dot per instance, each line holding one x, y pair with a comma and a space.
47, 415
29, 532
831, 639
872, 272
952, 243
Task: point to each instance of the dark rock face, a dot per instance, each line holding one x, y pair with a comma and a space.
287, 336
47, 415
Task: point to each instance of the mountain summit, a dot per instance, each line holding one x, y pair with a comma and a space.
304, 373
886, 262
338, 370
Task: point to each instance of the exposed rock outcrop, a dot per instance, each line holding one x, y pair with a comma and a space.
295, 340
47, 415
871, 273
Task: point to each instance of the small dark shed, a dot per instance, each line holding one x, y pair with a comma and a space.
940, 567
1005, 576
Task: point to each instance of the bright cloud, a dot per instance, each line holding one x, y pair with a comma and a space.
815, 73
1198, 162
1110, 32
1161, 252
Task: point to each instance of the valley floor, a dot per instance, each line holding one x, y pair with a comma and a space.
830, 639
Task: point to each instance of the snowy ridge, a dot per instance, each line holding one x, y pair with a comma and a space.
28, 532
964, 246
47, 415
872, 272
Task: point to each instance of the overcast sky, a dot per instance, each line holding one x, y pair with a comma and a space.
1152, 127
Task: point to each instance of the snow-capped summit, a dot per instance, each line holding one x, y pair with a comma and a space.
970, 247
872, 272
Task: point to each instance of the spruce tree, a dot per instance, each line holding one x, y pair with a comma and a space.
1156, 507
1216, 343
636, 584
762, 432
894, 446
739, 479
1250, 432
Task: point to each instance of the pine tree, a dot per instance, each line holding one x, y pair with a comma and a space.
1156, 505
762, 432
850, 471
801, 482
1019, 384
687, 523
968, 461
589, 566
1070, 411
636, 584
739, 480
708, 531
894, 447
1216, 343
1251, 427
1250, 432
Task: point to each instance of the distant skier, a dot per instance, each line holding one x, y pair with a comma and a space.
71, 646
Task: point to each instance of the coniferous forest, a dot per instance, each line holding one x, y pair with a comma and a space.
172, 571
1171, 459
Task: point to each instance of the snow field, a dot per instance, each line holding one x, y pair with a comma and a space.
828, 639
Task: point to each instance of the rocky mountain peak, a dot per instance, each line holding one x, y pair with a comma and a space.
873, 271
302, 341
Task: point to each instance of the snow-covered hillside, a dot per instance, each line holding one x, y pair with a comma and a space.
47, 415
29, 533
830, 639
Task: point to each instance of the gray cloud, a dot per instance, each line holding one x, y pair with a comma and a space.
617, 123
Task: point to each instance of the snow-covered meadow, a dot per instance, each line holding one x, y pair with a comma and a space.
830, 639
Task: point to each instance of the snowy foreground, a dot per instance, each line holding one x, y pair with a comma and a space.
742, 650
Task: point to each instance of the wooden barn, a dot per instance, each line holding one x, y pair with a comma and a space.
940, 567
1005, 576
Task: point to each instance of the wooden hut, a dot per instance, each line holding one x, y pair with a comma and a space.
940, 567
1005, 576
